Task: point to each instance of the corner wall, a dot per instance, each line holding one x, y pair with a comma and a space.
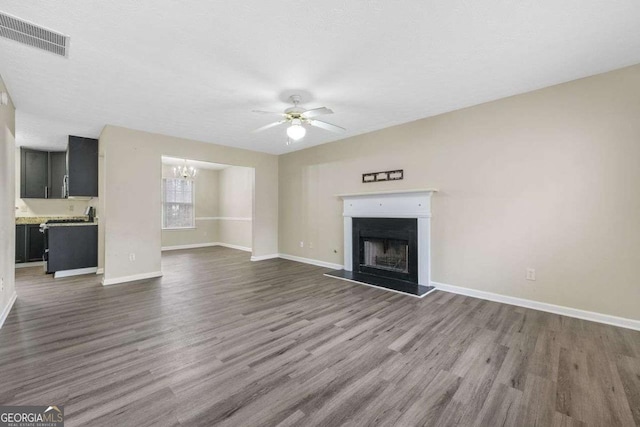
236, 207
7, 208
132, 202
547, 180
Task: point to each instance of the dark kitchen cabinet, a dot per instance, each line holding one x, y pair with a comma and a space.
21, 243
57, 173
29, 243
82, 162
34, 174
72, 247
42, 174
35, 243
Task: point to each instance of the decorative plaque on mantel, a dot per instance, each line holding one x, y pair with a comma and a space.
383, 176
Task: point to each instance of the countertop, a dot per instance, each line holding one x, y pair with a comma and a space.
25, 220
72, 224
20, 220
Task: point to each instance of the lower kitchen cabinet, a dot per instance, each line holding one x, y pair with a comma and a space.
35, 243
29, 243
72, 247
21, 243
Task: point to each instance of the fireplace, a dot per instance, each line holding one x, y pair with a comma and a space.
387, 240
386, 247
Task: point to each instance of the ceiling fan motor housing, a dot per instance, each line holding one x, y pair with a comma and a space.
295, 111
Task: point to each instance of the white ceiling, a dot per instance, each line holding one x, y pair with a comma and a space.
197, 69
198, 164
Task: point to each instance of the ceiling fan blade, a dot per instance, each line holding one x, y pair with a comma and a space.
326, 126
270, 125
314, 112
273, 113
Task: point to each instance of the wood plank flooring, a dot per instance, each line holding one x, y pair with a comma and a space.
219, 340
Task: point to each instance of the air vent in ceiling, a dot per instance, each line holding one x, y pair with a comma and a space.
25, 32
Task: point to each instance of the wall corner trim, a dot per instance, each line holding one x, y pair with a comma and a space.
317, 262
592, 316
124, 279
7, 309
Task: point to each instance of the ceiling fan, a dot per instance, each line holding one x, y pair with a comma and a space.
297, 117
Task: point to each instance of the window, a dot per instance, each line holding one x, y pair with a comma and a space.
177, 203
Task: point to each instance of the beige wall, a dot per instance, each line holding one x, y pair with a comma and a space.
206, 201
547, 180
236, 207
132, 196
7, 209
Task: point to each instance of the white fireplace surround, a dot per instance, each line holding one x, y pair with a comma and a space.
392, 204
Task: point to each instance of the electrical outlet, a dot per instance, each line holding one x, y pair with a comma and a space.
310, 245
1, 285
71, 208
530, 274
301, 244
132, 257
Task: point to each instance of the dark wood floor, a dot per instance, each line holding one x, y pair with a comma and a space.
220, 340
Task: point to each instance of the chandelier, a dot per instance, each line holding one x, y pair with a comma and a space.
184, 171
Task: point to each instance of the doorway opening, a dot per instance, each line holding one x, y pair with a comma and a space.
206, 204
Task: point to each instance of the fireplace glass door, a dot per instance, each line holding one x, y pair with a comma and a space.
386, 254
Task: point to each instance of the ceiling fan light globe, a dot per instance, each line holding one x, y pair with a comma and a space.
296, 132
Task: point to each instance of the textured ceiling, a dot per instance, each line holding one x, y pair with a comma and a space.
197, 69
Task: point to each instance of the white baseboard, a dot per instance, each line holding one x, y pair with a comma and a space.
75, 272
312, 261
191, 246
299, 259
542, 306
124, 279
205, 245
223, 218
30, 264
229, 245
7, 309
264, 257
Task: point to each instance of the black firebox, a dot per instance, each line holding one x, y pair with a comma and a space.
386, 247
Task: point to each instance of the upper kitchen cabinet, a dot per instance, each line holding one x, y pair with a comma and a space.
34, 174
57, 173
82, 162
42, 174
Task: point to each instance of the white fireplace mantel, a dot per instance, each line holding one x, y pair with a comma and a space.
392, 204
375, 193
